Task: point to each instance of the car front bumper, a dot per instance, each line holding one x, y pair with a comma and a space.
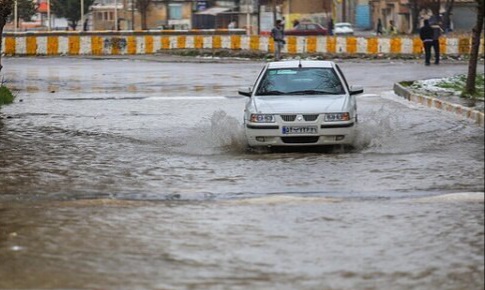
342, 133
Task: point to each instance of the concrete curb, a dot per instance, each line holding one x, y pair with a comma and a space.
459, 110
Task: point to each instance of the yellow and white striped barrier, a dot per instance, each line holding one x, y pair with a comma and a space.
25, 44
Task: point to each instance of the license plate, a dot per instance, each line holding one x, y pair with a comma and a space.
290, 130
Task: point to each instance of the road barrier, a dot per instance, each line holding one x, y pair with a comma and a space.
131, 43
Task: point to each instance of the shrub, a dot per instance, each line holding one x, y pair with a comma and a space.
6, 96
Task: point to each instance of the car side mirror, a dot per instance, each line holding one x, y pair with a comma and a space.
355, 90
245, 92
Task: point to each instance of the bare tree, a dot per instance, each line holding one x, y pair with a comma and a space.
470, 88
143, 7
447, 16
418, 6
6, 7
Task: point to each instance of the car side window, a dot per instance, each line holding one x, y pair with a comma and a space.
312, 27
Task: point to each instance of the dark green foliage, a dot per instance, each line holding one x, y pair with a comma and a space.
26, 9
6, 96
70, 9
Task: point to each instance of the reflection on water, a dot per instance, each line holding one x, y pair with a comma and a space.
124, 187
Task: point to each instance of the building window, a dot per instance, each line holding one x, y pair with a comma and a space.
175, 11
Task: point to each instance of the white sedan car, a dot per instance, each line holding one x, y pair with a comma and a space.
300, 103
343, 28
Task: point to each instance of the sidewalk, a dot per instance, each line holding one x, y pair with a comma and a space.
458, 107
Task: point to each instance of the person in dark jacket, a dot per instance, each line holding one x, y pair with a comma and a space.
330, 26
436, 41
379, 27
426, 34
278, 34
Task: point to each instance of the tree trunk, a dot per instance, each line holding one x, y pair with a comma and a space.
6, 8
447, 15
274, 12
470, 88
2, 24
415, 15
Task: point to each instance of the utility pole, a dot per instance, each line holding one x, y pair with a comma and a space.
49, 15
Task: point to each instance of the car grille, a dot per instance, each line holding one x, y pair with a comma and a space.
310, 118
292, 118
288, 118
300, 139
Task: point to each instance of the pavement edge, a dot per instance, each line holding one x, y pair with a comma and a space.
458, 110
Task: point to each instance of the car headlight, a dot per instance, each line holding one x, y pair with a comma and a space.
335, 117
262, 118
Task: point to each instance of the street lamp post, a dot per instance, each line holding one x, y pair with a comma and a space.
133, 15
16, 16
116, 15
82, 14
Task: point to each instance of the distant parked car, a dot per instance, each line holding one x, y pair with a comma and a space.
343, 28
307, 28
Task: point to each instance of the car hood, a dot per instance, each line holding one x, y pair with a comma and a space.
299, 104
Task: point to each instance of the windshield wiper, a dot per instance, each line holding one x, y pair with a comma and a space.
311, 92
268, 93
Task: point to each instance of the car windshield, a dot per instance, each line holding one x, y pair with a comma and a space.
300, 81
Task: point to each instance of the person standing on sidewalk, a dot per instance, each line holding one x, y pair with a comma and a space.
278, 34
436, 41
330, 26
426, 34
392, 28
379, 27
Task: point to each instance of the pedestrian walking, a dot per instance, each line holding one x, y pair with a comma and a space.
330, 26
426, 34
278, 34
85, 25
379, 27
392, 28
437, 30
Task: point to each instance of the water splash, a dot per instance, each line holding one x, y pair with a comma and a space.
227, 132
383, 131
216, 133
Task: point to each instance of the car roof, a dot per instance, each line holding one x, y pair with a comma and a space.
304, 63
343, 23
303, 23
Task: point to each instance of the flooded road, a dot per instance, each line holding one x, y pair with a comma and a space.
134, 174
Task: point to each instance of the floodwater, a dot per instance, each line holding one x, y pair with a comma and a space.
134, 174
